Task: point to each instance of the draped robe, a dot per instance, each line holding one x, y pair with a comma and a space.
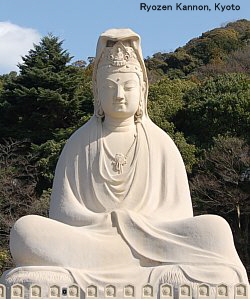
147, 209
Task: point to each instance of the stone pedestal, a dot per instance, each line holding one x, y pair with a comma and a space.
36, 282
55, 282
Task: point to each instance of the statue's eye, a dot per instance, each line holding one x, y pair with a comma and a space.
130, 85
110, 86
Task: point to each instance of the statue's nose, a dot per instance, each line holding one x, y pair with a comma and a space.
120, 93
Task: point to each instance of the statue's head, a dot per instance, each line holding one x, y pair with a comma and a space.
119, 79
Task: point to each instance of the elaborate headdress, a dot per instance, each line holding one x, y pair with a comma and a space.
119, 50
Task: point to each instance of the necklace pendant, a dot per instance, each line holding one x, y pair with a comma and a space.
119, 161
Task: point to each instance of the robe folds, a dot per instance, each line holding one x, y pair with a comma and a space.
140, 222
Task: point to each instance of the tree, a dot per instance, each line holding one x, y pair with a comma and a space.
218, 105
211, 48
45, 103
48, 152
165, 100
217, 43
1, 83
220, 186
48, 94
18, 196
242, 27
235, 62
213, 45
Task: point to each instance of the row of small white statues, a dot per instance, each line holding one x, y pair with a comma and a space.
166, 291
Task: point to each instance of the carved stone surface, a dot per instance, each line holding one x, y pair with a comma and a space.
37, 275
92, 291
185, 291
17, 291
54, 291
147, 291
120, 205
129, 291
2, 291
166, 291
36, 291
203, 291
222, 291
110, 291
74, 291
241, 291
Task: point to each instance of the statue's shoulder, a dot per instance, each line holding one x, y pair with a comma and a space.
162, 144
159, 135
81, 137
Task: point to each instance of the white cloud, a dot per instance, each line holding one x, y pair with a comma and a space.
15, 41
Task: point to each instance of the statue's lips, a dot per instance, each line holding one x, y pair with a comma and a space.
119, 103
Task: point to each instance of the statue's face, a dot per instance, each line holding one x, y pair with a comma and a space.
119, 94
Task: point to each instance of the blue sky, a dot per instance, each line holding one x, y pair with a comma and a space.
79, 23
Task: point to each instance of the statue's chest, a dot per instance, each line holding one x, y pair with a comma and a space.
118, 152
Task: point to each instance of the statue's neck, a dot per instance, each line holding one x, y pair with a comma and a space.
119, 125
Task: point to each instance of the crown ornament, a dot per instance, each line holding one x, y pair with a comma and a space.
119, 55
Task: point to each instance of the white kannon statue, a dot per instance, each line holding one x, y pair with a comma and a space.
120, 209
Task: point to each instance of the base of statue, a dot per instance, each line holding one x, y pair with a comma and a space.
57, 282
41, 278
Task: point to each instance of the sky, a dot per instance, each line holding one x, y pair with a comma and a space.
80, 22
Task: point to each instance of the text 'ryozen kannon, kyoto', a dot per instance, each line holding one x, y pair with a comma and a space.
190, 7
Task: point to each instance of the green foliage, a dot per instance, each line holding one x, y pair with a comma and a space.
48, 94
175, 65
48, 54
235, 62
188, 151
212, 47
5, 260
48, 154
46, 103
165, 100
218, 105
1, 84
242, 27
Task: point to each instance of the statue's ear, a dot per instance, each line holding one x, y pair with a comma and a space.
144, 87
97, 106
